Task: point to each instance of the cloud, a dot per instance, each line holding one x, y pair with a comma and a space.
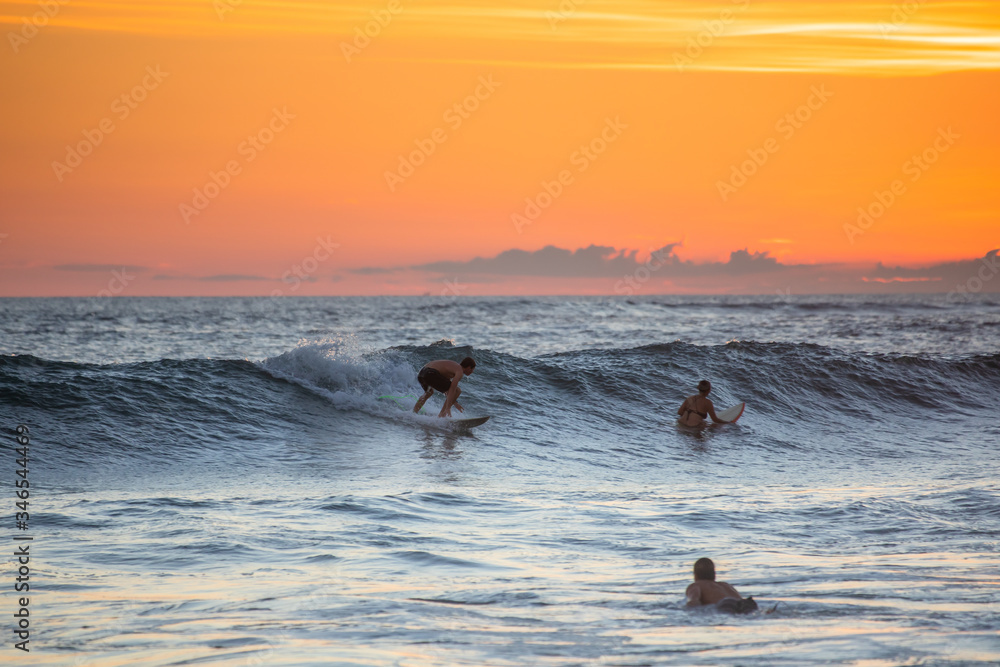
742, 262
872, 36
617, 271
231, 277
602, 261
958, 270
593, 260
220, 278
100, 268
598, 269
372, 271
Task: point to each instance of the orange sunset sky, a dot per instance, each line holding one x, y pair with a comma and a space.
235, 147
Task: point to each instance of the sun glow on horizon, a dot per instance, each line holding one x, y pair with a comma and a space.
231, 141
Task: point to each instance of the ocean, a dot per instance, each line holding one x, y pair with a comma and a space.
216, 481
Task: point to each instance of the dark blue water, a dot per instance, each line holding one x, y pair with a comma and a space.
218, 481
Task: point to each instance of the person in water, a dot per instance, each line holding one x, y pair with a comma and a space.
707, 591
695, 409
444, 375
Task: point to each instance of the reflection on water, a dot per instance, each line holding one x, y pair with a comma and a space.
506, 575
196, 510
438, 445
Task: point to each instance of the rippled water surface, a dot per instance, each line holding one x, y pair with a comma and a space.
216, 481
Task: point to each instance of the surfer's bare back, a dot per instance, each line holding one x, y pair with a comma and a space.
707, 591
695, 409
444, 376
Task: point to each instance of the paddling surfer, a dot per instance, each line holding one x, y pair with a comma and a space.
444, 376
695, 409
707, 591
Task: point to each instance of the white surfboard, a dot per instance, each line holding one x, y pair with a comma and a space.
469, 422
406, 402
732, 414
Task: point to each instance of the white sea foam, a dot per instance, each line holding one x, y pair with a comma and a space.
352, 376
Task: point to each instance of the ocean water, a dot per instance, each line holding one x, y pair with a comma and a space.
216, 481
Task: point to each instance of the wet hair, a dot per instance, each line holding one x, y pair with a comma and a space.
704, 386
704, 568
468, 362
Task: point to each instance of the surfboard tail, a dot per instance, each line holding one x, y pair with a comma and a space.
469, 422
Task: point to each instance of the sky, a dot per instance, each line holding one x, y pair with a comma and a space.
237, 147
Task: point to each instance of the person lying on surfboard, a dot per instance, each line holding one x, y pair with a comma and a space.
707, 591
444, 375
695, 409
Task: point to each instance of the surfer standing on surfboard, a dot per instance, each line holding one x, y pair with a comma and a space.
695, 409
443, 375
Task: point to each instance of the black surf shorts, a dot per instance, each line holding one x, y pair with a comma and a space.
432, 377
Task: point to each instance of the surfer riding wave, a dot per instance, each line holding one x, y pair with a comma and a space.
443, 375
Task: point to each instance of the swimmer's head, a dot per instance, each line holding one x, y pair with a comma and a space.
704, 568
704, 386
